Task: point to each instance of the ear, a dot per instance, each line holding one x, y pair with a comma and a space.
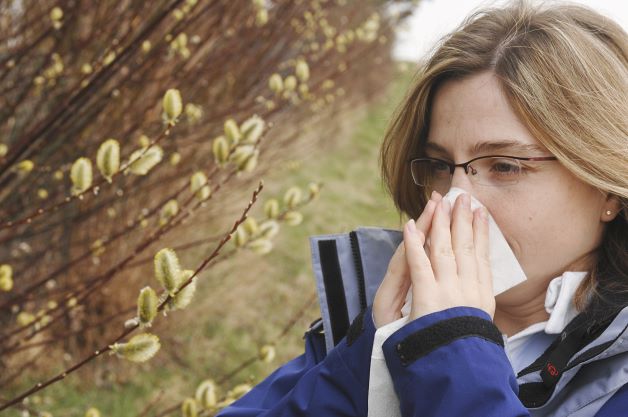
611, 208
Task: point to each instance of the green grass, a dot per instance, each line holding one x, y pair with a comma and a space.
244, 303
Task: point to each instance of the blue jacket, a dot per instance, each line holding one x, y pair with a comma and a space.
445, 364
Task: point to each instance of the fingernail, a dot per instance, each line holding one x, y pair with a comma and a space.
411, 226
433, 196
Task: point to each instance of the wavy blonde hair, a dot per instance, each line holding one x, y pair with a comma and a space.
564, 70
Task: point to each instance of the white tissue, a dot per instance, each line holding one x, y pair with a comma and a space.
505, 268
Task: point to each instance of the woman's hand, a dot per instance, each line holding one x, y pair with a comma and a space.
457, 272
391, 294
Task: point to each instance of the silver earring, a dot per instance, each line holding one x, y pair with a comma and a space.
608, 212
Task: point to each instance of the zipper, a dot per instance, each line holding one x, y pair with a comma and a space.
357, 260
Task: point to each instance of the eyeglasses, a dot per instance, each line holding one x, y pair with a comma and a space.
494, 171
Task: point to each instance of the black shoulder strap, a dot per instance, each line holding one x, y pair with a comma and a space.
553, 362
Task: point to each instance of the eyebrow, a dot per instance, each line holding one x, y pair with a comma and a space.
491, 147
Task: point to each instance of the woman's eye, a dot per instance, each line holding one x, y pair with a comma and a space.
506, 168
440, 166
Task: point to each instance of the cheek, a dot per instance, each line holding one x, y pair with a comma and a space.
525, 225
546, 230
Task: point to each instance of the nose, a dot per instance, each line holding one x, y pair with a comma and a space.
461, 180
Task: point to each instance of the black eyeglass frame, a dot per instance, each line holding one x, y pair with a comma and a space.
465, 165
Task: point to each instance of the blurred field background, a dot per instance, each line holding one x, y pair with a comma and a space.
70, 80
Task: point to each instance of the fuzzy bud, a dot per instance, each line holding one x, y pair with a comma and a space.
261, 18
271, 208
241, 154
172, 105
304, 90
180, 42
240, 236
292, 197
147, 304
140, 165
260, 246
275, 83
314, 189
269, 229
178, 14
139, 348
109, 58
302, 70
168, 211
199, 186
184, 297
81, 175
239, 390
6, 277
250, 225
252, 128
92, 412
293, 218
131, 323
25, 166
204, 193
56, 14
225, 402
25, 318
98, 247
108, 158
290, 83
220, 148
167, 270
143, 141
189, 408
206, 394
175, 158
232, 132
267, 353
250, 163
193, 113
6, 283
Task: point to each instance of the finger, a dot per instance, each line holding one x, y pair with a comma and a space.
397, 279
462, 240
392, 291
421, 273
482, 253
441, 253
424, 222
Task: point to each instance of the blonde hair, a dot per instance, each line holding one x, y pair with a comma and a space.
564, 70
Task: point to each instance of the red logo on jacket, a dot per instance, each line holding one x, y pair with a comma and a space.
552, 369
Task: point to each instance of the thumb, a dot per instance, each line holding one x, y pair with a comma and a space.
391, 294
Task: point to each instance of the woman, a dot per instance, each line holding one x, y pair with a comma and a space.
540, 95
